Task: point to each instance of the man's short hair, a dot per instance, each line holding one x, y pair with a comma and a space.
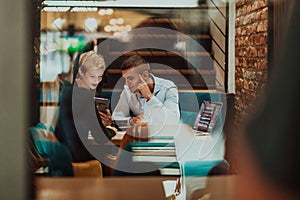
134, 61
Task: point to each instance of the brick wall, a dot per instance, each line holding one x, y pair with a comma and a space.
251, 52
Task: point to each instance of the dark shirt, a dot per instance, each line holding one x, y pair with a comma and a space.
78, 117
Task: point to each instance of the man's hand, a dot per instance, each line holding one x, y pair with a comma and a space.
106, 117
144, 89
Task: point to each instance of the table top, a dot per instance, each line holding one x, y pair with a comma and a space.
218, 187
99, 188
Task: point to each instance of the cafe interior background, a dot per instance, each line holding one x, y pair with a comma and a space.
238, 37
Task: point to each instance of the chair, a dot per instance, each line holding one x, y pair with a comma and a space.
91, 168
38, 163
58, 156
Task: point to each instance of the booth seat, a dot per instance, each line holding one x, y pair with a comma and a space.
189, 102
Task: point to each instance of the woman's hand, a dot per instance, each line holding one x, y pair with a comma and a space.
106, 117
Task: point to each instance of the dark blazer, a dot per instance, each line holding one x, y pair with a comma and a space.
78, 117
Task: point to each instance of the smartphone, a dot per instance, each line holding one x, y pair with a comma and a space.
101, 103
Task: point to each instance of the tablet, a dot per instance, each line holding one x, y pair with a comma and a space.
207, 117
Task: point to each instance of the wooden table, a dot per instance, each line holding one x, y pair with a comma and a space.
219, 187
97, 188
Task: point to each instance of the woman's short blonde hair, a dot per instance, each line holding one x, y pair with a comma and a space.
90, 60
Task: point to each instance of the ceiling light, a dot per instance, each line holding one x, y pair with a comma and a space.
56, 9
63, 9
109, 11
79, 9
120, 20
91, 9
102, 12
50, 9
113, 21
115, 28
107, 28
128, 28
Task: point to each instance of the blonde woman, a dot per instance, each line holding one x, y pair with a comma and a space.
77, 120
